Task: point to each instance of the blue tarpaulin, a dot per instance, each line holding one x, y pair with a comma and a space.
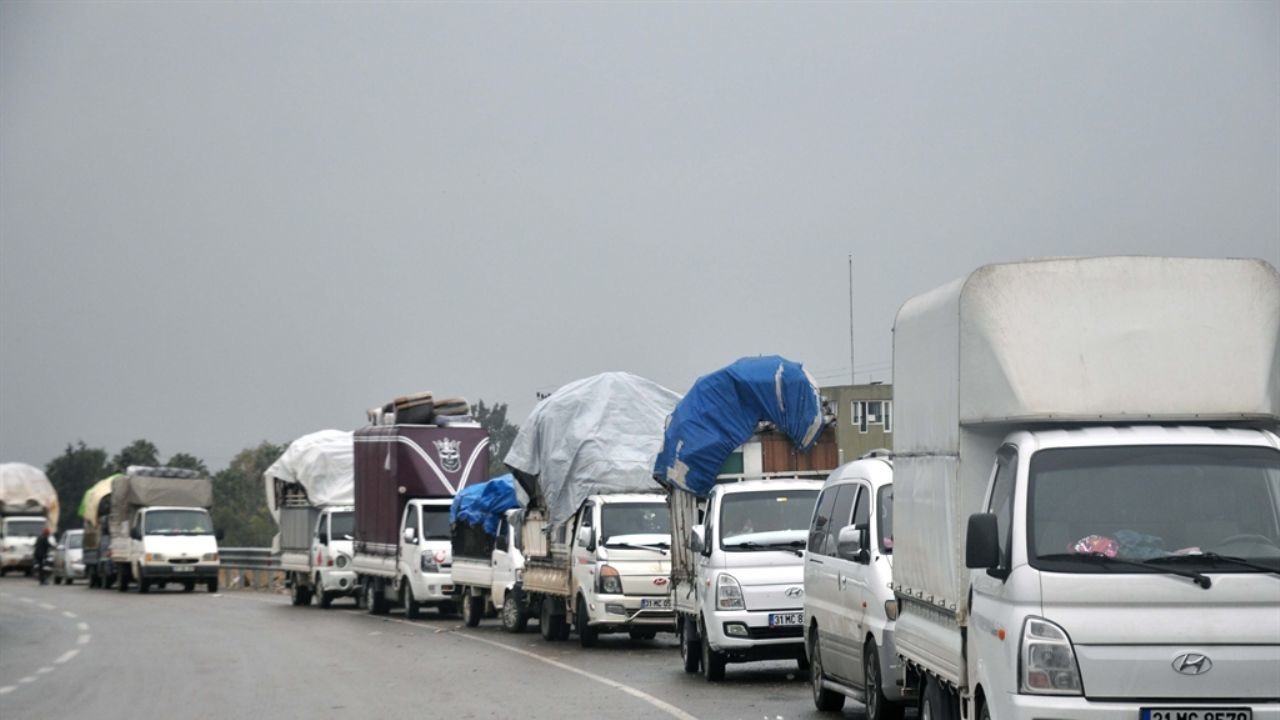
721, 411
485, 503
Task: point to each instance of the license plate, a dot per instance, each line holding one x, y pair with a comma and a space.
657, 604
184, 568
779, 619
1196, 713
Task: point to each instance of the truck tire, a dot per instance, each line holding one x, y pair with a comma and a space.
824, 698
878, 706
690, 645
325, 599
412, 608
189, 586
587, 635
936, 703
551, 624
57, 579
123, 579
472, 607
298, 596
212, 585
713, 661
375, 598
515, 617
144, 585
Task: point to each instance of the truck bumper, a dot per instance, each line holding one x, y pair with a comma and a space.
631, 612
171, 573
432, 587
22, 562
1034, 707
746, 635
342, 582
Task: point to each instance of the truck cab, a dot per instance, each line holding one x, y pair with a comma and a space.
18, 535
425, 557
746, 602
331, 551
173, 545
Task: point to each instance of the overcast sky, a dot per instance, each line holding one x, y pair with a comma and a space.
228, 222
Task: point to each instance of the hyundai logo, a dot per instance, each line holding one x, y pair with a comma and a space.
659, 581
1192, 664
795, 592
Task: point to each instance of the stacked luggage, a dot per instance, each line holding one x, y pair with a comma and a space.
422, 409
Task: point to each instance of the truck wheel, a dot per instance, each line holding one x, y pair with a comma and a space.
144, 585
690, 646
514, 616
124, 580
878, 706
824, 699
189, 586
375, 598
212, 585
712, 661
587, 635
936, 703
298, 595
552, 624
57, 579
472, 607
325, 599
412, 608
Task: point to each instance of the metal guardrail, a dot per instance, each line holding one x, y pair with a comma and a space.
250, 568
248, 557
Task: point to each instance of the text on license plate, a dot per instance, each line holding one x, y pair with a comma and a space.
1186, 713
657, 603
184, 568
795, 618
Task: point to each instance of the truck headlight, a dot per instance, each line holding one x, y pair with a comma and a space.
210, 557
429, 563
610, 580
153, 557
1048, 661
729, 593
342, 561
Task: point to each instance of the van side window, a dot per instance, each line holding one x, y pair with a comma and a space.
500, 542
411, 519
1002, 497
840, 515
862, 511
820, 528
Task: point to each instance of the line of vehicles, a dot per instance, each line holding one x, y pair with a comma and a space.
1080, 517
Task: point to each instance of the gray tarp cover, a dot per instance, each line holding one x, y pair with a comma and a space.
129, 492
594, 436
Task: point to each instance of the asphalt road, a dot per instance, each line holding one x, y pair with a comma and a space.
74, 652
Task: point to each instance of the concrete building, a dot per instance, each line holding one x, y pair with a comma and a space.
864, 418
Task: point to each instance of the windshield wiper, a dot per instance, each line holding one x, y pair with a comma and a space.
1220, 558
1199, 578
652, 548
793, 547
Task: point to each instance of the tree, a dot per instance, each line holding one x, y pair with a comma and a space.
187, 462
71, 474
493, 418
240, 501
138, 452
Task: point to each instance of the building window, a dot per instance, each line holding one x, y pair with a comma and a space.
888, 416
873, 412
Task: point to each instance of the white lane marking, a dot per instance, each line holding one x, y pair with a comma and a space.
26, 600
83, 627
64, 657
84, 639
68, 614
43, 670
47, 606
28, 679
7, 689
662, 705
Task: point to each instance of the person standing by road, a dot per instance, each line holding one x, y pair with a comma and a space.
41, 555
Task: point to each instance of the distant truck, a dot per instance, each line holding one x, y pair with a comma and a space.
95, 514
310, 493
161, 531
596, 532
28, 505
1087, 476
741, 502
405, 479
487, 565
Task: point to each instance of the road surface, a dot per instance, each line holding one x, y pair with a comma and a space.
74, 652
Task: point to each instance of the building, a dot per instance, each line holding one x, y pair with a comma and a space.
864, 418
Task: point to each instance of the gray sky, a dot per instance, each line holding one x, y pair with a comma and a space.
222, 223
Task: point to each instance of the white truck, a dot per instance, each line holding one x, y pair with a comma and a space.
28, 505
405, 480
487, 564
161, 531
740, 513
595, 531
1087, 477
310, 493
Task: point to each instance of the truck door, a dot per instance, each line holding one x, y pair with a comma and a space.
989, 604
319, 540
583, 568
409, 547
501, 563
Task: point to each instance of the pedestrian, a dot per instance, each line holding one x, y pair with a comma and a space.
41, 555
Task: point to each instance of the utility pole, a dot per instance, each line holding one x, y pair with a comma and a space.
853, 372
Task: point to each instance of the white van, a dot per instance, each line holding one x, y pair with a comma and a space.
849, 606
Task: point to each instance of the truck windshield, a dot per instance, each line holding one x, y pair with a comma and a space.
619, 519
342, 526
74, 540
23, 528
435, 522
1202, 506
177, 522
766, 519
884, 516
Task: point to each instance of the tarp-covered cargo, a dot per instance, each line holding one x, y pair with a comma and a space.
25, 490
476, 514
141, 487
321, 465
1064, 341
398, 463
722, 411
92, 500
594, 436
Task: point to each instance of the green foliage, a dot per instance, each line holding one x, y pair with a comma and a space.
187, 461
502, 434
72, 473
138, 452
239, 498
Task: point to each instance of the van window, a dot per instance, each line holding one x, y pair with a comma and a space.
821, 526
1002, 498
884, 518
501, 540
411, 520
840, 515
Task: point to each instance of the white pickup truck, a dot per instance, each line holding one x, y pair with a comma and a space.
161, 531
28, 505
1087, 482
486, 577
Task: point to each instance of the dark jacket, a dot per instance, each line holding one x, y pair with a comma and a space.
42, 548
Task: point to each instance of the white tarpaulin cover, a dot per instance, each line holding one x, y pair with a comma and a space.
594, 436
323, 463
25, 489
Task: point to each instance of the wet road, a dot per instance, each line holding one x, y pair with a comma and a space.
74, 652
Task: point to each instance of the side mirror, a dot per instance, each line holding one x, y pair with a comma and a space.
135, 532
410, 535
982, 544
219, 534
586, 538
851, 544
697, 540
